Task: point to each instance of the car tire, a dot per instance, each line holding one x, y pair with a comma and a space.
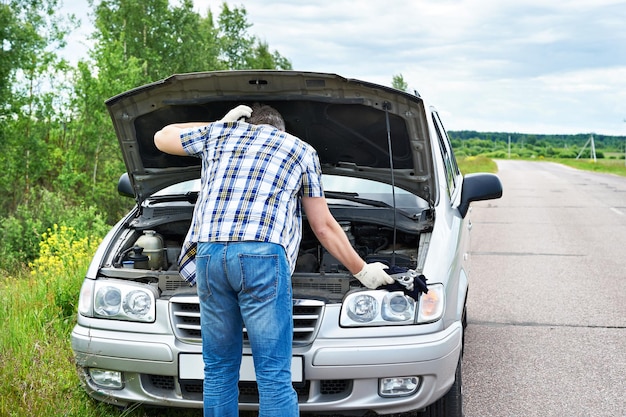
451, 404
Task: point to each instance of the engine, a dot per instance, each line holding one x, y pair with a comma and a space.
374, 243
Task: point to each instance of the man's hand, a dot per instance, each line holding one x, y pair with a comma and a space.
373, 275
237, 113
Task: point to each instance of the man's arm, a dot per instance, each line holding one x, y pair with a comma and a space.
330, 234
168, 139
334, 239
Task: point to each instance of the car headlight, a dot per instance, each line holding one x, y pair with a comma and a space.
118, 300
383, 308
431, 304
377, 308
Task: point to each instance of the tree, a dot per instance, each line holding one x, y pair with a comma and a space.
262, 58
238, 49
32, 94
30, 35
58, 143
60, 156
138, 42
399, 84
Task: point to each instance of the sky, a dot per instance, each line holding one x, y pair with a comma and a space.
524, 66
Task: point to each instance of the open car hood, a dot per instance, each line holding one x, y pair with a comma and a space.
349, 123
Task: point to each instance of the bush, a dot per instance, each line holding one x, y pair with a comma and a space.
19, 236
21, 233
566, 153
497, 154
64, 256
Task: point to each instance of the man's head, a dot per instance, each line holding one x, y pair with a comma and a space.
262, 114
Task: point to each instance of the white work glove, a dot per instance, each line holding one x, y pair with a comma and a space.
237, 113
373, 275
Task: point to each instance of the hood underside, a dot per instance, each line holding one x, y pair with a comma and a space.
349, 122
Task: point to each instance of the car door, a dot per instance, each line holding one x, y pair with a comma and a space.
458, 227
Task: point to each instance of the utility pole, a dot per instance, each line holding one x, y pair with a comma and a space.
593, 149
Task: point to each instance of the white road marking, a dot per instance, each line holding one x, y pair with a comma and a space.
621, 213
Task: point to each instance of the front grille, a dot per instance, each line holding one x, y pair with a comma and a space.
167, 386
159, 382
333, 285
185, 316
249, 393
335, 386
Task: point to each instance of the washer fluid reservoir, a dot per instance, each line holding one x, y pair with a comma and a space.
152, 244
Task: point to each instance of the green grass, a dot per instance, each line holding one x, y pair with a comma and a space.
38, 374
607, 166
471, 164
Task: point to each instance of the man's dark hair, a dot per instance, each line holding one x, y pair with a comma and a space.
262, 114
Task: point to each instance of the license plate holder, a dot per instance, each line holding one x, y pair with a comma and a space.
191, 366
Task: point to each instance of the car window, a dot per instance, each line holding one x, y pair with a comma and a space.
363, 188
180, 188
372, 190
449, 161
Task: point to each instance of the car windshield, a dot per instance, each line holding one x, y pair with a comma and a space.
339, 190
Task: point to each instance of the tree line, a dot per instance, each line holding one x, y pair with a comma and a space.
60, 155
522, 145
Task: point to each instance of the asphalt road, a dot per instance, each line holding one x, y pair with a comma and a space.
547, 300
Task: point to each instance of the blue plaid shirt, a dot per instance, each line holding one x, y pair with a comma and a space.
252, 179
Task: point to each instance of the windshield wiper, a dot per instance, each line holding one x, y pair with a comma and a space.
190, 196
354, 197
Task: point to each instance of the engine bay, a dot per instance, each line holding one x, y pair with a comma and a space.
150, 249
374, 243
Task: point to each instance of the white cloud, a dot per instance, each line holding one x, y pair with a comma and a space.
517, 65
528, 66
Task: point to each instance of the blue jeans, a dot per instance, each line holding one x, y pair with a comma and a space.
246, 284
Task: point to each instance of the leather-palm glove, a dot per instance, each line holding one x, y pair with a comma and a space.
373, 275
237, 113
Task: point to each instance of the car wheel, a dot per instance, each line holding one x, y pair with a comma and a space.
451, 404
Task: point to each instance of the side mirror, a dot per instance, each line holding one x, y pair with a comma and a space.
477, 187
124, 186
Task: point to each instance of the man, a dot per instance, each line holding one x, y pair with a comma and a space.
247, 222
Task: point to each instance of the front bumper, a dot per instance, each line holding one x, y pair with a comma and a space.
341, 374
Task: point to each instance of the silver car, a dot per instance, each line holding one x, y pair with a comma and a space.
392, 182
